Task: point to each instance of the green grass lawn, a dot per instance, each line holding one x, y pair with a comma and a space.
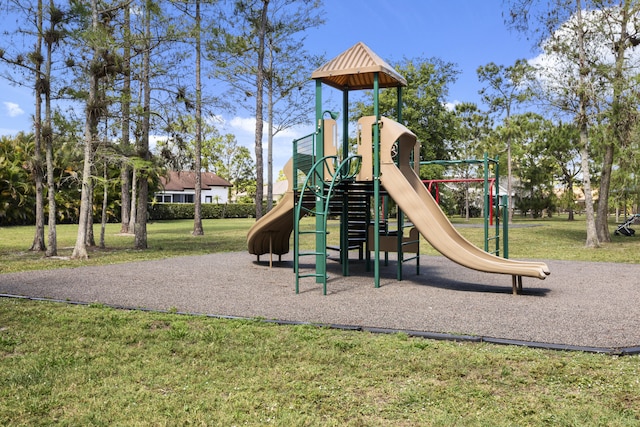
93, 365
165, 240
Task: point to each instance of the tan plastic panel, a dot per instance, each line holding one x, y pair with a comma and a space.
272, 232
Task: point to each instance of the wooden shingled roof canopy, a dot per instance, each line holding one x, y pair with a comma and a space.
354, 69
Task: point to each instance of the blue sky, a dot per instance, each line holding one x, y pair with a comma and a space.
468, 33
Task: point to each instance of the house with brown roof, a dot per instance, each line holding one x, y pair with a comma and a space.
180, 187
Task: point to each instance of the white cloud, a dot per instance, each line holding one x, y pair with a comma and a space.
558, 70
244, 129
243, 124
13, 109
450, 106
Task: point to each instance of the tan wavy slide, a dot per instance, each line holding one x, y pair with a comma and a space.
271, 234
408, 191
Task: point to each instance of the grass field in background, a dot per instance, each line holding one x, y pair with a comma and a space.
549, 238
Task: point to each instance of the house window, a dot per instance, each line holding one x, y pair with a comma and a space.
188, 198
208, 199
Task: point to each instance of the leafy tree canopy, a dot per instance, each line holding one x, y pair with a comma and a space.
424, 109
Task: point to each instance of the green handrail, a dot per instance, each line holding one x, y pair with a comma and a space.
321, 189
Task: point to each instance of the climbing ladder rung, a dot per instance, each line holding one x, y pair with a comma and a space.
311, 253
311, 275
313, 232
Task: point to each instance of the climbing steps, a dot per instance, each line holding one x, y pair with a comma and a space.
320, 184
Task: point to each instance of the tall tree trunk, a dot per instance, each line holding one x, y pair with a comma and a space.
197, 202
592, 235
140, 229
134, 198
602, 216
38, 173
509, 172
80, 249
90, 238
570, 198
617, 124
270, 134
90, 131
262, 31
125, 172
105, 200
52, 249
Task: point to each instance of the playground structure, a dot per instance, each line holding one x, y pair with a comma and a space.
327, 181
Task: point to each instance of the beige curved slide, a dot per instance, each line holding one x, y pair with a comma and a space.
408, 191
271, 234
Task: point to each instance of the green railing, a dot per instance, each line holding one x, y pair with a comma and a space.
321, 189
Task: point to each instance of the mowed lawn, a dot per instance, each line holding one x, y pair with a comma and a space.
94, 365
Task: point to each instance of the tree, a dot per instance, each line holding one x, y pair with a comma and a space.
252, 49
535, 168
97, 37
178, 151
261, 29
142, 142
238, 50
561, 142
125, 143
506, 88
197, 215
234, 163
38, 241
52, 37
566, 81
30, 62
473, 128
288, 66
618, 23
92, 115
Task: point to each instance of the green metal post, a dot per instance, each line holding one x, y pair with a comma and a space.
400, 214
376, 179
505, 225
505, 216
497, 193
296, 230
321, 246
344, 219
487, 203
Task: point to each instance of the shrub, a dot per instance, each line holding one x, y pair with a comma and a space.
170, 211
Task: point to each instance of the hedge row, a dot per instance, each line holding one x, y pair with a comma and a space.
169, 211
